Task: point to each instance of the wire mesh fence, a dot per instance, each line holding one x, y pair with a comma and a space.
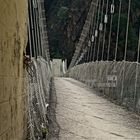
39, 76
115, 80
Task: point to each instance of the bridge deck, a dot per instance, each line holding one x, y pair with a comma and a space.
83, 115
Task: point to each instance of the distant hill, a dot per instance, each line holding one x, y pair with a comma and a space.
66, 19
65, 22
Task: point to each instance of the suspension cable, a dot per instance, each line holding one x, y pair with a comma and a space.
127, 29
32, 27
96, 30
105, 26
109, 42
92, 29
100, 30
137, 69
29, 35
117, 37
126, 44
39, 11
118, 30
35, 29
81, 41
90, 34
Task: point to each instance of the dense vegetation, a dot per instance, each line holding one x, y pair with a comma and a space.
66, 19
133, 30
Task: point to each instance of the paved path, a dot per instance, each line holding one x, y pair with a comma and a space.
82, 115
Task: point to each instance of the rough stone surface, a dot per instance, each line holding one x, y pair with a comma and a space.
13, 38
83, 115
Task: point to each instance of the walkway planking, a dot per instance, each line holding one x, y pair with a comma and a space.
82, 115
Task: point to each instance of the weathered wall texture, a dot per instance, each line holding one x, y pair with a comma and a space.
127, 89
13, 37
57, 67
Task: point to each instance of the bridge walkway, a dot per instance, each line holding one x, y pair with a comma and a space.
83, 115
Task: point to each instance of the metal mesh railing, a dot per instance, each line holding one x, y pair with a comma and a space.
38, 95
99, 75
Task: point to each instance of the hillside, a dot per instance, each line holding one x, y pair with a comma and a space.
66, 19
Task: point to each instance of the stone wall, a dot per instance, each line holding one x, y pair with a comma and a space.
13, 39
124, 90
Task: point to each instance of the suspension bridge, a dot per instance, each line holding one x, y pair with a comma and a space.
96, 97
99, 64
81, 110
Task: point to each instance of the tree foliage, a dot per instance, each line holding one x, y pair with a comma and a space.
66, 19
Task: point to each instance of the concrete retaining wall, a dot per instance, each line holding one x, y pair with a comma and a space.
13, 38
96, 74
